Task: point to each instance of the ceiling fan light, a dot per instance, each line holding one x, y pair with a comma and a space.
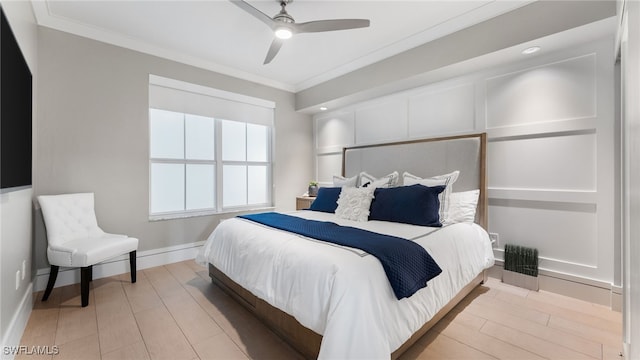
283, 33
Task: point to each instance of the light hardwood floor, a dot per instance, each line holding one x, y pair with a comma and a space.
175, 312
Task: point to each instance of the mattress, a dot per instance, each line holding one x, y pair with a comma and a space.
343, 293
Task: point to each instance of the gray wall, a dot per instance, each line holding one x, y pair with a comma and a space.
15, 207
93, 136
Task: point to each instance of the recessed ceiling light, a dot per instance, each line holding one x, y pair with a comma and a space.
323, 108
531, 50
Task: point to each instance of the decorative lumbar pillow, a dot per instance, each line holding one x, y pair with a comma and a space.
354, 203
415, 204
462, 206
326, 200
386, 181
446, 180
341, 181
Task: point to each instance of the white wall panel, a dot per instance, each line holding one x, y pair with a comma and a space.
550, 124
329, 165
382, 122
335, 131
566, 233
443, 111
559, 162
558, 91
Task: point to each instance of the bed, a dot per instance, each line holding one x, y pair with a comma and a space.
331, 301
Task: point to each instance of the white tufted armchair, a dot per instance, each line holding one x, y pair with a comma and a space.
75, 240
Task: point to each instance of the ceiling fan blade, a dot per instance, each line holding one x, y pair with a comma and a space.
331, 25
273, 50
255, 12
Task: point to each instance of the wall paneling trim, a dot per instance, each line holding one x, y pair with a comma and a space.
550, 121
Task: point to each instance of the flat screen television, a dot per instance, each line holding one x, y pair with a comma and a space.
15, 113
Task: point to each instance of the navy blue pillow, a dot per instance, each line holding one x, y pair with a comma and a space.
415, 204
327, 199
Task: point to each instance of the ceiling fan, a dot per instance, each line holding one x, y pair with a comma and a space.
284, 26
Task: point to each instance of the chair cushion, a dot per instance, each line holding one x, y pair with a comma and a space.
69, 216
89, 251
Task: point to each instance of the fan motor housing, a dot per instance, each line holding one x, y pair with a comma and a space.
283, 16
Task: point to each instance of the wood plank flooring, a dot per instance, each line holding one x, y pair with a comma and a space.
175, 312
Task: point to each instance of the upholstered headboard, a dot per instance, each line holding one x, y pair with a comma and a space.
426, 158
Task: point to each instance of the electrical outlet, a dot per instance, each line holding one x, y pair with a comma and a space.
24, 268
495, 239
17, 279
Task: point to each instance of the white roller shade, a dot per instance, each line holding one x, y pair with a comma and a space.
179, 96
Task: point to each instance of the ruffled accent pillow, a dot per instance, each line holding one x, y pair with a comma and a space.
341, 181
354, 203
447, 180
386, 181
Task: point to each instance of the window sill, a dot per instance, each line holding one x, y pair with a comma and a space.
185, 215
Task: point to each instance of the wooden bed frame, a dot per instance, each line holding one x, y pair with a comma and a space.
306, 341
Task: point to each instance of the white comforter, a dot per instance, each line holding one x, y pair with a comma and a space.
342, 293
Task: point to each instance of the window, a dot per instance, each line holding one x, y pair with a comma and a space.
245, 165
208, 154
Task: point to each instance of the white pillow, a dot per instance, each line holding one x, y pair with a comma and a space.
462, 206
386, 181
354, 203
341, 181
446, 179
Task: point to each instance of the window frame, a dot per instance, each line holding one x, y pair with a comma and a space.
218, 164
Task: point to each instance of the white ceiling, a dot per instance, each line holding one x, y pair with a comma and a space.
219, 36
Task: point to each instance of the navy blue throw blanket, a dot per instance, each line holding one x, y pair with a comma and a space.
408, 265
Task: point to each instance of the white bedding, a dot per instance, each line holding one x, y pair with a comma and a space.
342, 293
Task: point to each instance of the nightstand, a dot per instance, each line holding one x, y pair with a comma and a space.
304, 202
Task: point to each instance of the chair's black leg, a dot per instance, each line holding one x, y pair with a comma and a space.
91, 273
85, 274
132, 264
53, 274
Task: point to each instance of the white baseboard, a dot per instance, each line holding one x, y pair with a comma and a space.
590, 290
11, 339
625, 350
120, 265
